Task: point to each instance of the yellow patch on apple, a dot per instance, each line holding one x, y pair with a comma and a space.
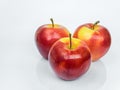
83, 35
75, 42
55, 25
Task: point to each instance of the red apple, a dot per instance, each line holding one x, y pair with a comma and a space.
69, 58
46, 35
97, 38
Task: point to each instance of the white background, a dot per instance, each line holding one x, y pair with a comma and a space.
21, 65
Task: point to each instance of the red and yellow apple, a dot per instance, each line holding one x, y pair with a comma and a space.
97, 38
46, 35
69, 58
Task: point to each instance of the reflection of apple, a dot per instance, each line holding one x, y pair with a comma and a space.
47, 34
69, 58
97, 38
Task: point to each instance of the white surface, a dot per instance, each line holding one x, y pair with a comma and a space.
21, 66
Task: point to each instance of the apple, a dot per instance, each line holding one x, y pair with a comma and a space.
69, 58
46, 35
97, 38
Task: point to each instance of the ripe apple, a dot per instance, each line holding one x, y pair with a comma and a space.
46, 35
97, 38
69, 58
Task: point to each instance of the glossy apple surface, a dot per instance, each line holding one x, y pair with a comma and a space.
97, 38
69, 63
46, 35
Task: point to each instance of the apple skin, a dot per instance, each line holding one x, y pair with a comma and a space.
98, 39
46, 35
69, 64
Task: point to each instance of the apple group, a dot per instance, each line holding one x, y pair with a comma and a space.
70, 56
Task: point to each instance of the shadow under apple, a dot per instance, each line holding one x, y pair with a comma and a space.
92, 80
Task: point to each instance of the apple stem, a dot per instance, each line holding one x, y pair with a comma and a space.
95, 24
70, 40
51, 19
